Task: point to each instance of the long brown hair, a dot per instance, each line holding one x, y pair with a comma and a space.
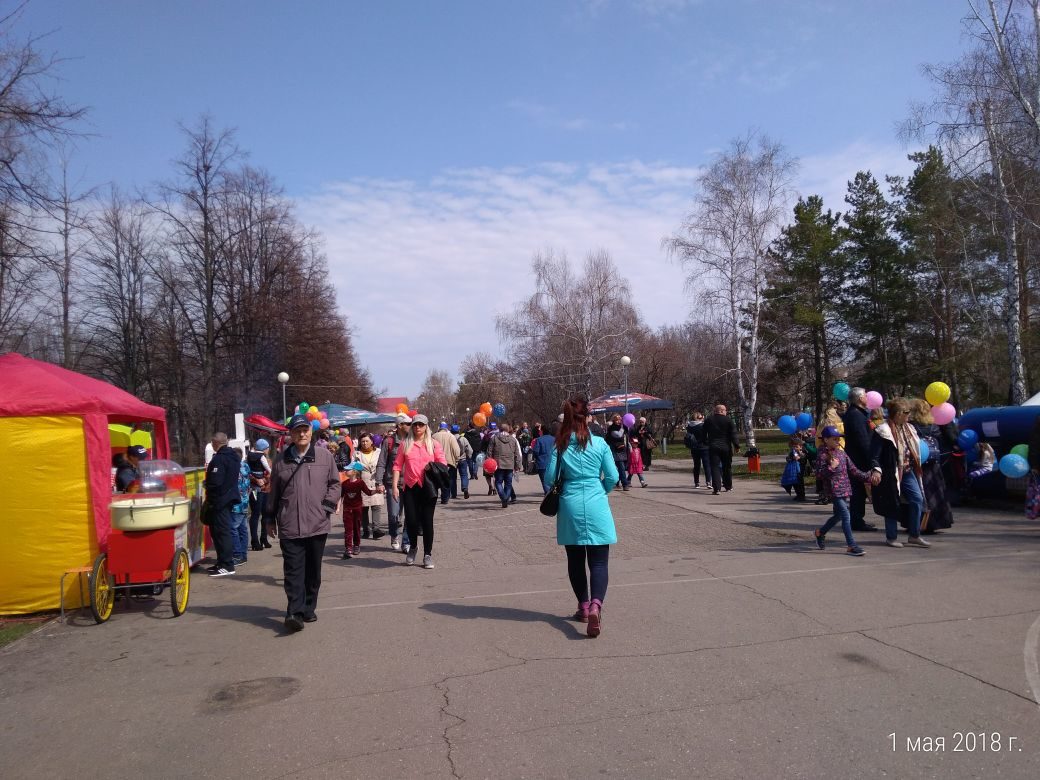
575, 420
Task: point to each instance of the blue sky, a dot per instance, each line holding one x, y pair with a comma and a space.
448, 141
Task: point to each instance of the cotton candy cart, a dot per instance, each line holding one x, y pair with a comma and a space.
147, 544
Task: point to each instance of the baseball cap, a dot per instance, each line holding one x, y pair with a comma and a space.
261, 445
137, 451
299, 421
404, 418
830, 432
421, 418
444, 426
455, 429
494, 425
355, 466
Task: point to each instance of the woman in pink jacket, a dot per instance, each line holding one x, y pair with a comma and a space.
416, 452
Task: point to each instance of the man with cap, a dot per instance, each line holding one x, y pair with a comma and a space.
465, 458
127, 472
222, 493
384, 478
450, 445
305, 490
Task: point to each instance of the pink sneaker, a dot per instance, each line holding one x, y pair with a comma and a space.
582, 615
594, 618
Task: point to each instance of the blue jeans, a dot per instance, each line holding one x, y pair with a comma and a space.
449, 491
393, 516
463, 469
541, 478
239, 535
912, 509
841, 512
701, 461
473, 467
504, 483
622, 470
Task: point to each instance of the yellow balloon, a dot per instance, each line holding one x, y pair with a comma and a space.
937, 393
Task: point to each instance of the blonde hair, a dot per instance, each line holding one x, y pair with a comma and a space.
410, 439
921, 412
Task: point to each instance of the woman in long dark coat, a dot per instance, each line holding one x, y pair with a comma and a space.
937, 506
895, 456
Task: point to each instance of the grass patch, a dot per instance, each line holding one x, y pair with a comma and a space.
769, 442
12, 629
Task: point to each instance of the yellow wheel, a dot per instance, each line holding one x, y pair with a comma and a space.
180, 582
102, 590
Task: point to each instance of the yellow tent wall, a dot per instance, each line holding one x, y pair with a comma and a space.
46, 512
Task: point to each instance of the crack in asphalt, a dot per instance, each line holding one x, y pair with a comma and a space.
445, 692
945, 666
778, 601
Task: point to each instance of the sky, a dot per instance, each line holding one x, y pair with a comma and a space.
437, 146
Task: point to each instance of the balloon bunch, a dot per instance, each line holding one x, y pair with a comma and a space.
791, 424
403, 409
1015, 464
486, 410
938, 395
319, 420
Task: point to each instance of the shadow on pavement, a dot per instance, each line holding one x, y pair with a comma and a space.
365, 562
262, 617
474, 612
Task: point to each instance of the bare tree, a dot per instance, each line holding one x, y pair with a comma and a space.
575, 326
724, 242
436, 398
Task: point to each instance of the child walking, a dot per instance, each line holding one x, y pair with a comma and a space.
835, 469
794, 476
354, 489
635, 462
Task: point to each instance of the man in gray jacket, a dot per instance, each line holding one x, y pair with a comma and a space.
505, 449
304, 491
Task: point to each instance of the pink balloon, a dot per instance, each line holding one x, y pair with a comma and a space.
628, 420
943, 413
874, 399
324, 423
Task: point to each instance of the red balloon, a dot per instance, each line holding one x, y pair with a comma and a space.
490, 465
413, 412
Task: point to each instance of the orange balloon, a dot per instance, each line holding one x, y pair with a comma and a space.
402, 408
486, 409
479, 420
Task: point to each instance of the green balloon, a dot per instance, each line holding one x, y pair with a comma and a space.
1020, 449
303, 407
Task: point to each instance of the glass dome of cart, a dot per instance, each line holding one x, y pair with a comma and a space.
637, 402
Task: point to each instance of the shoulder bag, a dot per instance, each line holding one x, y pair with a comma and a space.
551, 502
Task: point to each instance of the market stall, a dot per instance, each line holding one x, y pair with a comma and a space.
55, 476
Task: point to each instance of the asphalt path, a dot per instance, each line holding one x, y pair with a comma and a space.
730, 648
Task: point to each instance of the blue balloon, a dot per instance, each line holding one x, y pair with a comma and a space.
971, 455
315, 424
967, 439
499, 410
926, 452
803, 421
841, 391
787, 424
1014, 466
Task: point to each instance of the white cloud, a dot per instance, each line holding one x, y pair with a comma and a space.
423, 267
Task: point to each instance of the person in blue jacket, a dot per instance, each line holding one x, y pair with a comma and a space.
584, 524
542, 450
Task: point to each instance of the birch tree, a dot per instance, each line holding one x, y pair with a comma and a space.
723, 245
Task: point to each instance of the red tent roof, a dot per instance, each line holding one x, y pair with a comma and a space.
389, 405
32, 387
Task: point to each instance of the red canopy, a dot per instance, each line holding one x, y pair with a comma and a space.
265, 424
31, 388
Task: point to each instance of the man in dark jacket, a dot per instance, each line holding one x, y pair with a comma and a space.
721, 436
475, 443
304, 492
221, 494
858, 436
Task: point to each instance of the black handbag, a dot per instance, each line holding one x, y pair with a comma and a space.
551, 502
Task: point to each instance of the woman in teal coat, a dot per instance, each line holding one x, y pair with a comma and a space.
584, 524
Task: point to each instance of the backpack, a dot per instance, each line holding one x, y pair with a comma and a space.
688, 441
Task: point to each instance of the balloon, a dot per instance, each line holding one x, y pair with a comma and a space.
1022, 450
413, 412
315, 425
1014, 466
402, 408
944, 413
967, 439
324, 415
490, 465
499, 410
841, 391
377, 439
303, 407
971, 455
486, 409
479, 419
803, 421
787, 424
323, 424
874, 399
937, 393
926, 452
628, 420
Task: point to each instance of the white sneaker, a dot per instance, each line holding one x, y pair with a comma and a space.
917, 541
407, 548
427, 562
395, 545
409, 560
893, 543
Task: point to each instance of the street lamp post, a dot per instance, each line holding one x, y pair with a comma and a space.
284, 379
626, 361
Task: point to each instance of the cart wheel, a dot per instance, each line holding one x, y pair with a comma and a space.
102, 590
180, 581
